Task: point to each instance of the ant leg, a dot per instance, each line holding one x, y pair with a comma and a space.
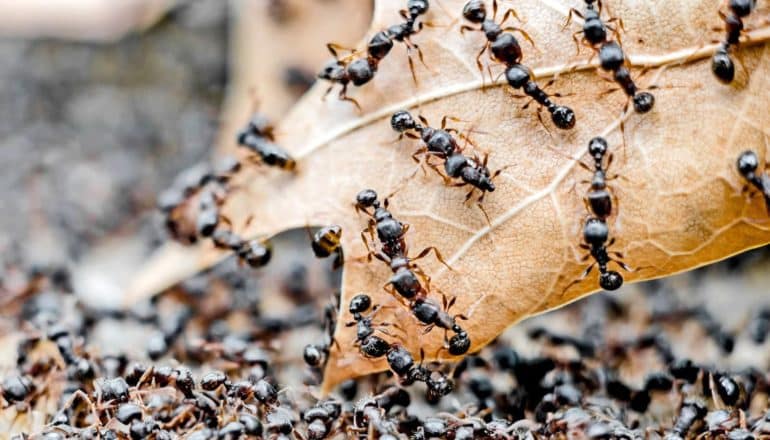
428, 250
326, 93
344, 97
524, 34
582, 277
510, 12
451, 118
334, 47
465, 27
572, 12
478, 59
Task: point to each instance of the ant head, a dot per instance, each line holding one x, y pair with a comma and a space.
643, 102
334, 70
595, 232
597, 147
742, 8
722, 66
360, 303
610, 280
402, 120
563, 117
475, 11
478, 176
459, 343
417, 7
366, 198
517, 75
748, 163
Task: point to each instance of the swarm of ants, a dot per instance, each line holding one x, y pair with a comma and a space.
229, 371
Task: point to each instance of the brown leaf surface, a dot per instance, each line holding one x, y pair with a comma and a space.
680, 205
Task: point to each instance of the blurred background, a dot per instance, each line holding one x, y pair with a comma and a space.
104, 103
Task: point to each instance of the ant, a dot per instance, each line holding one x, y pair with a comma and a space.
520, 77
503, 45
598, 201
360, 71
721, 64
747, 165
594, 28
401, 363
393, 248
405, 279
595, 234
369, 344
612, 59
258, 136
256, 253
441, 143
316, 355
430, 314
326, 241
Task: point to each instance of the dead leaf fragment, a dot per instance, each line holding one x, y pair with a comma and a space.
679, 202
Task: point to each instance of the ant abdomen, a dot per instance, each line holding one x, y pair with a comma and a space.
610, 280
722, 66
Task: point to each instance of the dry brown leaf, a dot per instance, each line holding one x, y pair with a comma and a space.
680, 205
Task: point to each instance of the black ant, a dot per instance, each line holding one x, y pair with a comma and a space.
405, 279
598, 200
370, 344
393, 248
360, 71
316, 355
506, 49
503, 45
612, 59
258, 137
398, 357
430, 314
401, 363
721, 63
256, 253
441, 143
747, 165
594, 28
595, 234
210, 186
520, 77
